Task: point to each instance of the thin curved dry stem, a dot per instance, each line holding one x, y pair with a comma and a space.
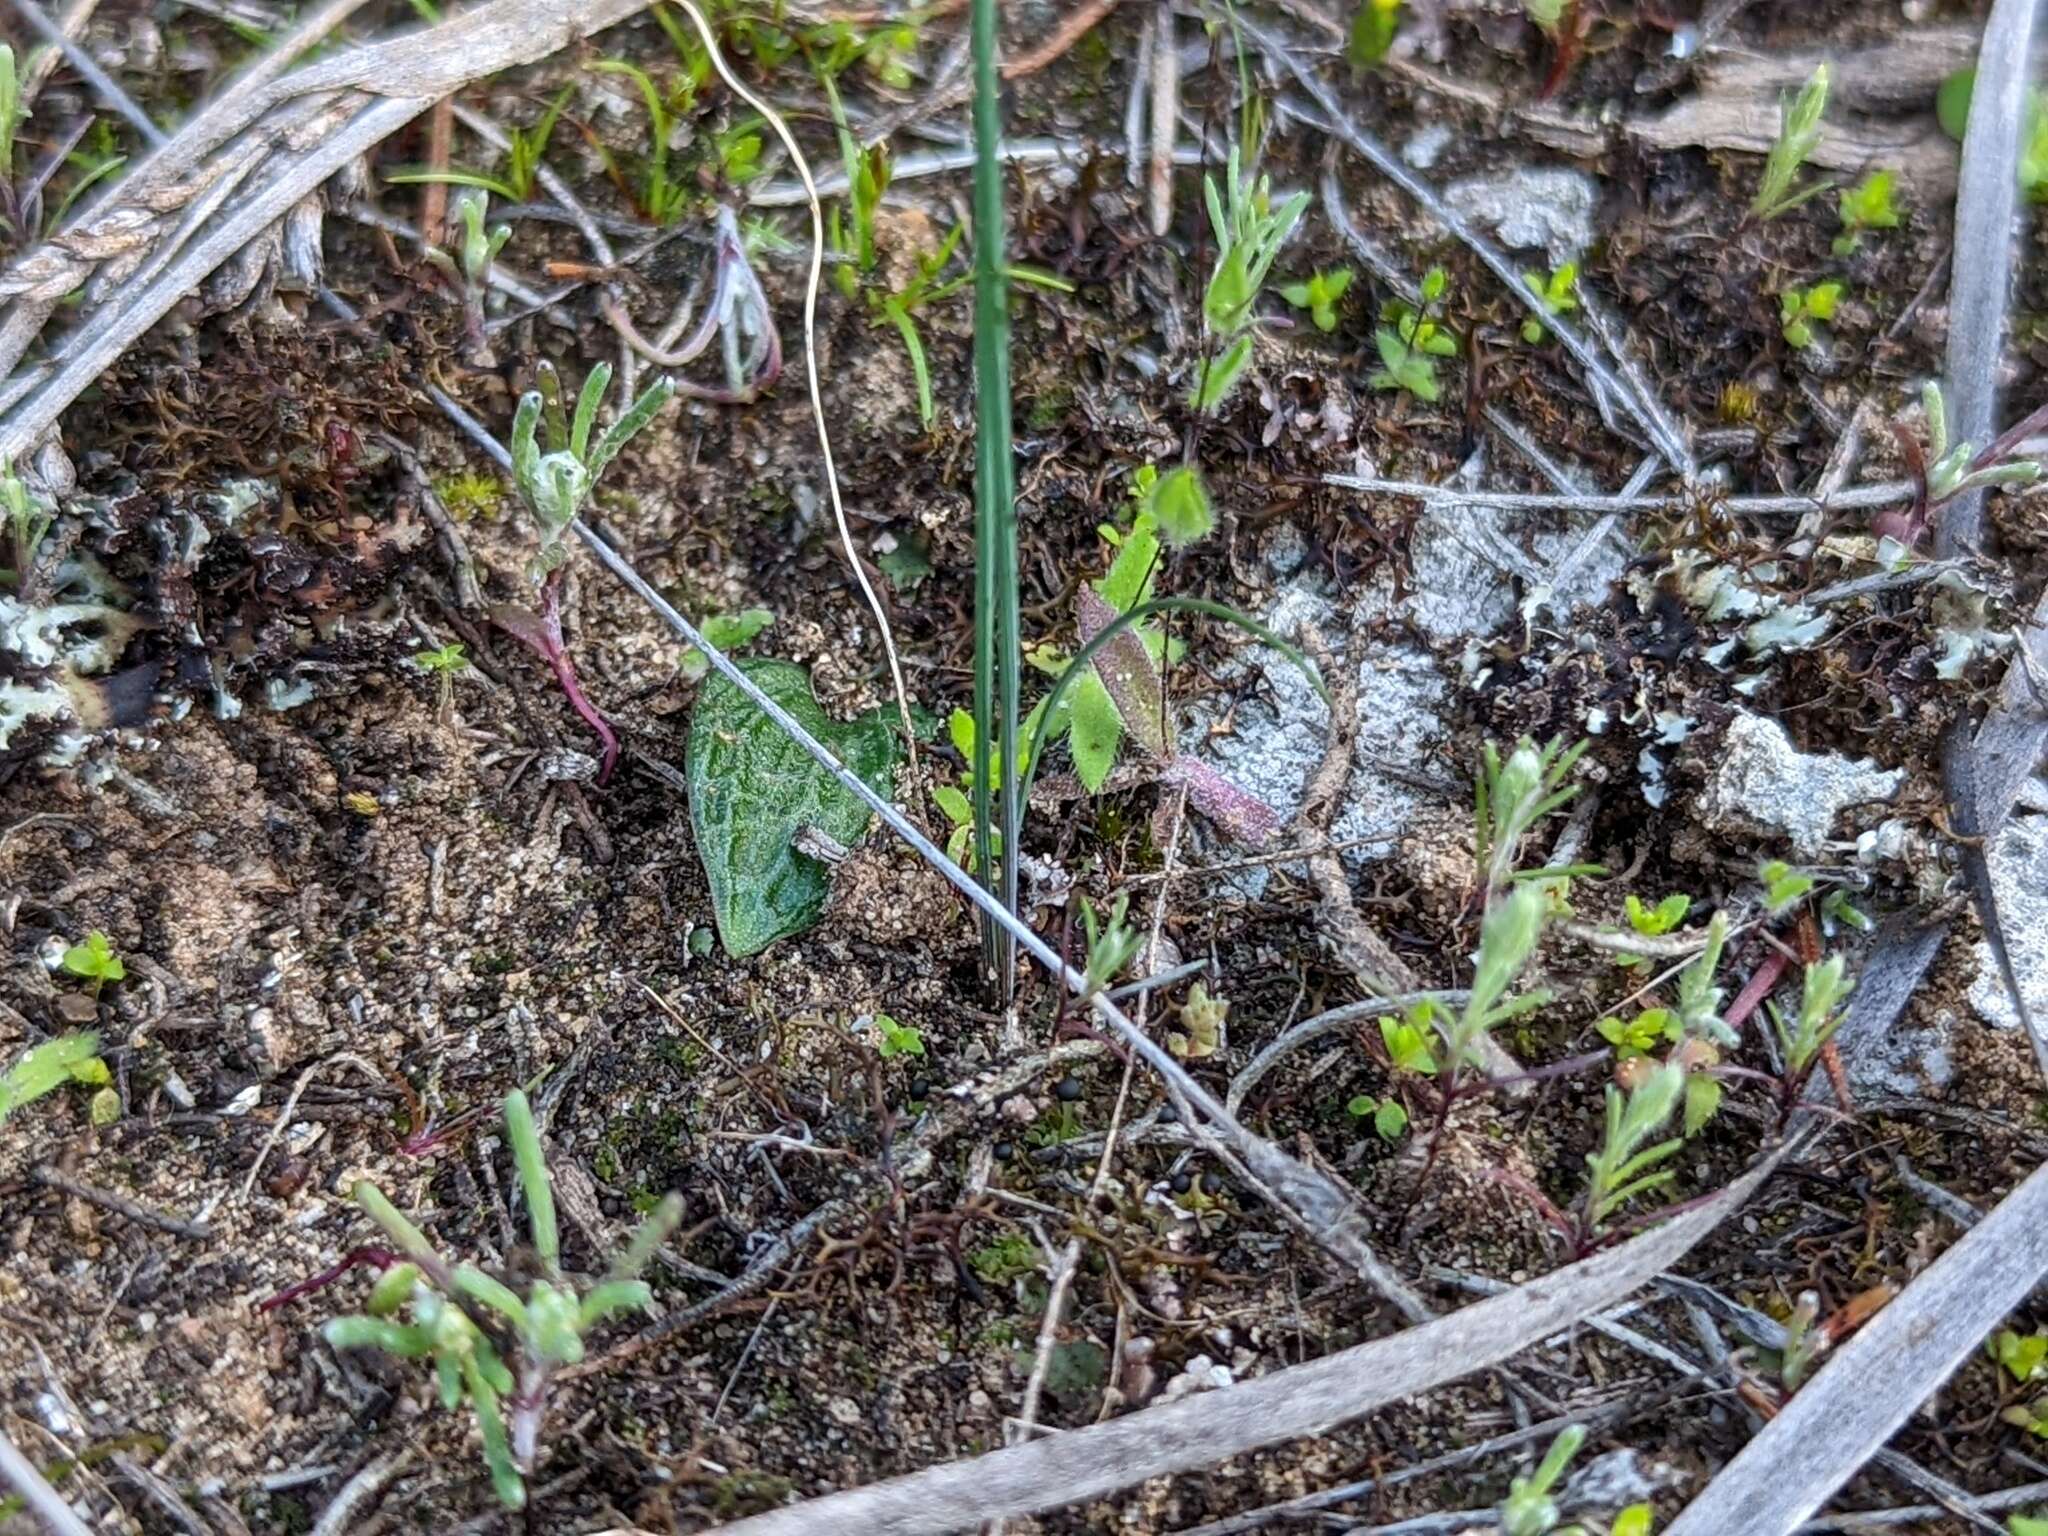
803, 170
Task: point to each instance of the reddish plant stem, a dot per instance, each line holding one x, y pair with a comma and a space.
381, 1258
542, 634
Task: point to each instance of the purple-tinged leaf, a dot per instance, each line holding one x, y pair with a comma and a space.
1126, 670
1243, 815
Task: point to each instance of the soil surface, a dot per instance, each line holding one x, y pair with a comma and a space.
358, 902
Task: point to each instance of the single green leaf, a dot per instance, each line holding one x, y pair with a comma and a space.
1180, 504
1702, 1102
46, 1067
1390, 1119
752, 790
1097, 729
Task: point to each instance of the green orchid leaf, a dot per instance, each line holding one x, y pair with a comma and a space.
753, 789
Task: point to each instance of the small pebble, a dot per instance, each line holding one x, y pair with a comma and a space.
1068, 1089
1004, 1151
920, 1089
1183, 1182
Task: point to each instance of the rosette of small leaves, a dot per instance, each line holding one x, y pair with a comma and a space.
1410, 340
1249, 234
1801, 310
1870, 204
556, 483
1320, 296
471, 1324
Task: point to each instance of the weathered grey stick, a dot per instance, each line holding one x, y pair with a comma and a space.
1875, 1381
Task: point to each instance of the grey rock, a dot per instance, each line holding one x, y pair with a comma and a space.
1760, 782
2019, 879
1545, 208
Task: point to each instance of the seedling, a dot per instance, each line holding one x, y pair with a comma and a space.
894, 1039
29, 519
1624, 1167
1407, 1039
1652, 922
555, 486
94, 960
1798, 136
1389, 1116
1557, 293
469, 495
1803, 1342
2021, 1354
1784, 886
1952, 470
1112, 943
526, 148
727, 632
1372, 32
1818, 1018
471, 1324
867, 178
1320, 296
1410, 341
11, 115
1870, 204
739, 153
1800, 310
1530, 1509
1512, 797
47, 1067
444, 664
661, 200
467, 266
1249, 233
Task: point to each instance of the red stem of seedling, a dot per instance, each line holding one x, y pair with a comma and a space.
1757, 988
381, 1258
542, 633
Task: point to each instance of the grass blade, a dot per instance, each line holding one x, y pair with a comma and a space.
997, 666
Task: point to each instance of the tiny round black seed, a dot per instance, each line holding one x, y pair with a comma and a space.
1004, 1151
1068, 1089
920, 1089
1182, 1183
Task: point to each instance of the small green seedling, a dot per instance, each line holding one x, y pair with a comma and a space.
524, 152
1653, 922
488, 1343
1803, 1342
555, 485
467, 266
1249, 233
727, 632
444, 664
893, 1039
1320, 296
1819, 1017
1642, 1034
2032, 1417
1953, 469
1389, 1116
1410, 340
1511, 797
29, 520
1800, 310
1624, 1167
1798, 136
1557, 293
1372, 32
2021, 1354
47, 1067
1530, 1509
443, 661
94, 960
1407, 1039
661, 198
1112, 943
739, 153
1783, 885
1870, 204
